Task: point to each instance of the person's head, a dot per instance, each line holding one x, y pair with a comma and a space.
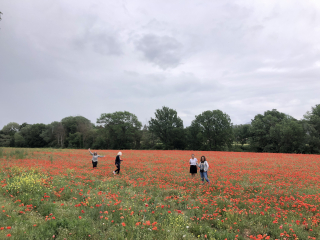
95, 153
192, 156
203, 159
119, 153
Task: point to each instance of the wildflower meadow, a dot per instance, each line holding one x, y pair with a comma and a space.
55, 194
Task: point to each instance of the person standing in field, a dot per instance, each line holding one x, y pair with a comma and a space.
117, 162
95, 157
193, 165
204, 166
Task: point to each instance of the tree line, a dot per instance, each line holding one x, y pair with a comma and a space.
272, 131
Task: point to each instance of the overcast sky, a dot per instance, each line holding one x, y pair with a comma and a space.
63, 58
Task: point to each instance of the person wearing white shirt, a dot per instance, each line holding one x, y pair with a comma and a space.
193, 165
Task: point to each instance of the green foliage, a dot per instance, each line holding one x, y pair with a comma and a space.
272, 131
19, 140
260, 140
5, 140
241, 133
311, 124
277, 132
32, 135
123, 129
11, 128
149, 140
76, 131
213, 130
288, 136
168, 127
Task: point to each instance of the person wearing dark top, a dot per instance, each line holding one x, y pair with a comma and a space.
117, 162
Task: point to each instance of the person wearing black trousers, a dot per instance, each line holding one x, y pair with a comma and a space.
117, 162
95, 157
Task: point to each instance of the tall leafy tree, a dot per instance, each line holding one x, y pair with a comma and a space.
49, 134
288, 136
32, 135
148, 139
76, 131
265, 130
5, 139
213, 129
19, 140
122, 128
7, 134
311, 124
194, 136
168, 127
241, 133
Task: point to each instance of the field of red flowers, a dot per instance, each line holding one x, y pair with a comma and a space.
55, 194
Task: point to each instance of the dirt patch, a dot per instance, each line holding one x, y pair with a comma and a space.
246, 234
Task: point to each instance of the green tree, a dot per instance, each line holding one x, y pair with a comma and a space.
213, 129
72, 125
241, 133
311, 124
194, 136
11, 128
49, 134
99, 138
260, 139
149, 140
7, 134
5, 139
168, 127
288, 136
122, 128
32, 135
19, 140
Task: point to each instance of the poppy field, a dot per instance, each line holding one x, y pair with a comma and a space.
55, 194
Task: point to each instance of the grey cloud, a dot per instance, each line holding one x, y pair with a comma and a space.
105, 44
164, 51
242, 57
100, 39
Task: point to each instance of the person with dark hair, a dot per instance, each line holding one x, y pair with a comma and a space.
117, 162
193, 165
204, 166
95, 157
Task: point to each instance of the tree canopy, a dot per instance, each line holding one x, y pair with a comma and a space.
213, 130
168, 127
272, 131
122, 129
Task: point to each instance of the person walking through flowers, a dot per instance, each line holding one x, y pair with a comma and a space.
117, 162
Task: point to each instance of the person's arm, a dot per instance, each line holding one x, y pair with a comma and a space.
207, 165
90, 151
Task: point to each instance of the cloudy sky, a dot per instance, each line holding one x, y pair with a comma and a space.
65, 58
